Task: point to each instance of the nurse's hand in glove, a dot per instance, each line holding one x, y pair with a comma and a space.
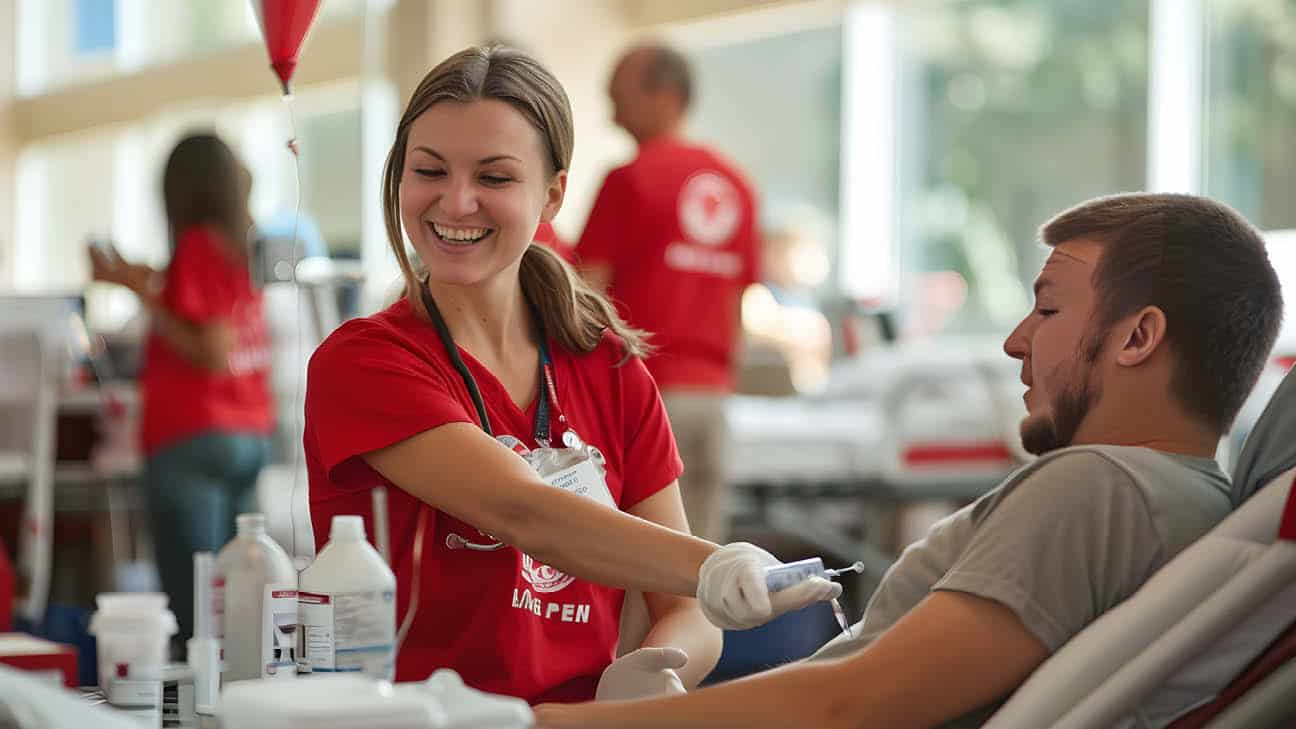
642, 674
732, 593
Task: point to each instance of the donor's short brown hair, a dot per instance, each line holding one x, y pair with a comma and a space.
1205, 267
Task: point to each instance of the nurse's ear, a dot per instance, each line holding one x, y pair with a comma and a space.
555, 192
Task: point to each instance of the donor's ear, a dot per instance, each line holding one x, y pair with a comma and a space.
1145, 331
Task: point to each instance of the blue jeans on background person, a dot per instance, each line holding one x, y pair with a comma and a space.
195, 488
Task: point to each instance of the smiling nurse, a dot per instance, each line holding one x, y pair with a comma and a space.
506, 405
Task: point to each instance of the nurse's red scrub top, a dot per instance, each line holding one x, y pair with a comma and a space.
506, 623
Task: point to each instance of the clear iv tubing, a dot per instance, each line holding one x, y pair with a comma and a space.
416, 582
381, 538
297, 390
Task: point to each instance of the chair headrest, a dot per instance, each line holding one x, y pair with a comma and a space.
1270, 447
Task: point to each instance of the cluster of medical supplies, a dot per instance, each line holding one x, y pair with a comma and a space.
258, 625
272, 647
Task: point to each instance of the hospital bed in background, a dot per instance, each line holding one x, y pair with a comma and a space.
933, 421
898, 425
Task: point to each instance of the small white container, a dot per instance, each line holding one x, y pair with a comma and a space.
132, 631
347, 606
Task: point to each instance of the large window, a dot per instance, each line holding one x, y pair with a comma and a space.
1250, 127
920, 144
781, 124
934, 138
59, 206
1010, 110
62, 42
107, 183
332, 183
328, 138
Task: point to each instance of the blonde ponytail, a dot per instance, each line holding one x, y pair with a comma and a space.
573, 313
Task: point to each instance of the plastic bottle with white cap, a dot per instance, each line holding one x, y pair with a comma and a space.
254, 604
347, 606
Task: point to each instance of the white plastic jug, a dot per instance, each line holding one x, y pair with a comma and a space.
347, 606
131, 630
254, 604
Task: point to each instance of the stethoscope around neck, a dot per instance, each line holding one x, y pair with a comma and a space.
453, 540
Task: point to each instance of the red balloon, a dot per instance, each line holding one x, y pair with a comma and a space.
284, 24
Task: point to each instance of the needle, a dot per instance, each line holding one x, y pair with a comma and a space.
857, 568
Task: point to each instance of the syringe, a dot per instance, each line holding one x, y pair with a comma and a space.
781, 577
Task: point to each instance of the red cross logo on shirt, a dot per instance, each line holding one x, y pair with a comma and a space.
710, 209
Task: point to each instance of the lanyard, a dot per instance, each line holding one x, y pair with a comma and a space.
548, 391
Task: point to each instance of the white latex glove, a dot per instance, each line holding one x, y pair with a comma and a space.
641, 674
732, 593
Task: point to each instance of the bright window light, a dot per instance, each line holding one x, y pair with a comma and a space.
869, 266
1175, 105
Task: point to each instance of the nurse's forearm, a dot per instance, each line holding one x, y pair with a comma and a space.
460, 470
583, 538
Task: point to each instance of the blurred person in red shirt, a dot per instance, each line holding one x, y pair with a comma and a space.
672, 238
207, 412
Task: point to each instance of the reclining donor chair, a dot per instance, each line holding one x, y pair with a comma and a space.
1210, 640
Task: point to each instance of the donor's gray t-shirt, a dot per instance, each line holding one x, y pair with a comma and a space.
1060, 542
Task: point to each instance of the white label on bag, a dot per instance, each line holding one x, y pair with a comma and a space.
279, 632
582, 479
348, 632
